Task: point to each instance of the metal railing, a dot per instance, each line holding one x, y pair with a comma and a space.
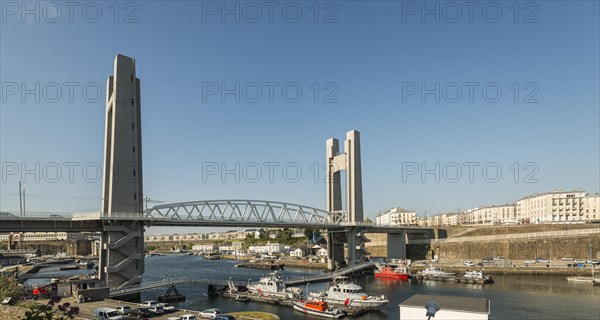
513, 236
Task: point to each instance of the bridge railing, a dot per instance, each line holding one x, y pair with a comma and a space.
514, 236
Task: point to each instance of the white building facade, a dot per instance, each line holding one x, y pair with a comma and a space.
552, 207
396, 217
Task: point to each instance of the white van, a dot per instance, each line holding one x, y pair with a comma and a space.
107, 314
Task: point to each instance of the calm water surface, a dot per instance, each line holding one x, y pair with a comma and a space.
512, 297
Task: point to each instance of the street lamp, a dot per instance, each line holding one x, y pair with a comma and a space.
21, 194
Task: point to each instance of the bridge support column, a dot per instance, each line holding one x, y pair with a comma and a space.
335, 249
396, 245
356, 246
122, 258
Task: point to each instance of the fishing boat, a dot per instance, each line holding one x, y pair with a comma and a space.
389, 272
273, 286
318, 308
349, 294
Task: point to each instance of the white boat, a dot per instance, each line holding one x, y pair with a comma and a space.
348, 294
318, 308
580, 279
474, 275
273, 286
478, 275
435, 272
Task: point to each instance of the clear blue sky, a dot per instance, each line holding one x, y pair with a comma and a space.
368, 59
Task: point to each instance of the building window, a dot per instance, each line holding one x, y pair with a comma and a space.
134, 196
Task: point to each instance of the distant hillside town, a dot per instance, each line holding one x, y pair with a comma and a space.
550, 207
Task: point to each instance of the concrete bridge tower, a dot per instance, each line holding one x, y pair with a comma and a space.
351, 163
122, 260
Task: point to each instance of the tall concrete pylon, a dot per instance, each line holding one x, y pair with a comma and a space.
122, 189
350, 162
122, 254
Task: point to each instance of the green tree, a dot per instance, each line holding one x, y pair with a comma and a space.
10, 288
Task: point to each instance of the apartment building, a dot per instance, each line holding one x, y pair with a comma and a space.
43, 236
396, 217
552, 207
502, 214
591, 207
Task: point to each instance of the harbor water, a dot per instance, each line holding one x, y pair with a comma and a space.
512, 296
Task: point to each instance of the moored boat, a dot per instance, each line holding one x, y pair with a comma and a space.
240, 298
211, 256
349, 294
581, 279
273, 286
478, 276
435, 272
390, 272
318, 308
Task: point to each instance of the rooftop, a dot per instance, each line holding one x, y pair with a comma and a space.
477, 305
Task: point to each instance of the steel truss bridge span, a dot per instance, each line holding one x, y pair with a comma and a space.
243, 212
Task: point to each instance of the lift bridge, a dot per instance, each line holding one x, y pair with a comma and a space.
120, 230
122, 220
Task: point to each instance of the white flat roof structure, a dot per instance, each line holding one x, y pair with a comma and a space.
451, 308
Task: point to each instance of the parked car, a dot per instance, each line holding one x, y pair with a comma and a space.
156, 310
224, 317
167, 307
593, 261
106, 314
499, 258
148, 303
529, 262
469, 263
188, 317
210, 313
174, 318
124, 309
542, 260
140, 313
566, 259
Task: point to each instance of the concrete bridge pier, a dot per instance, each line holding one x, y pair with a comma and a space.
396, 245
356, 245
335, 249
